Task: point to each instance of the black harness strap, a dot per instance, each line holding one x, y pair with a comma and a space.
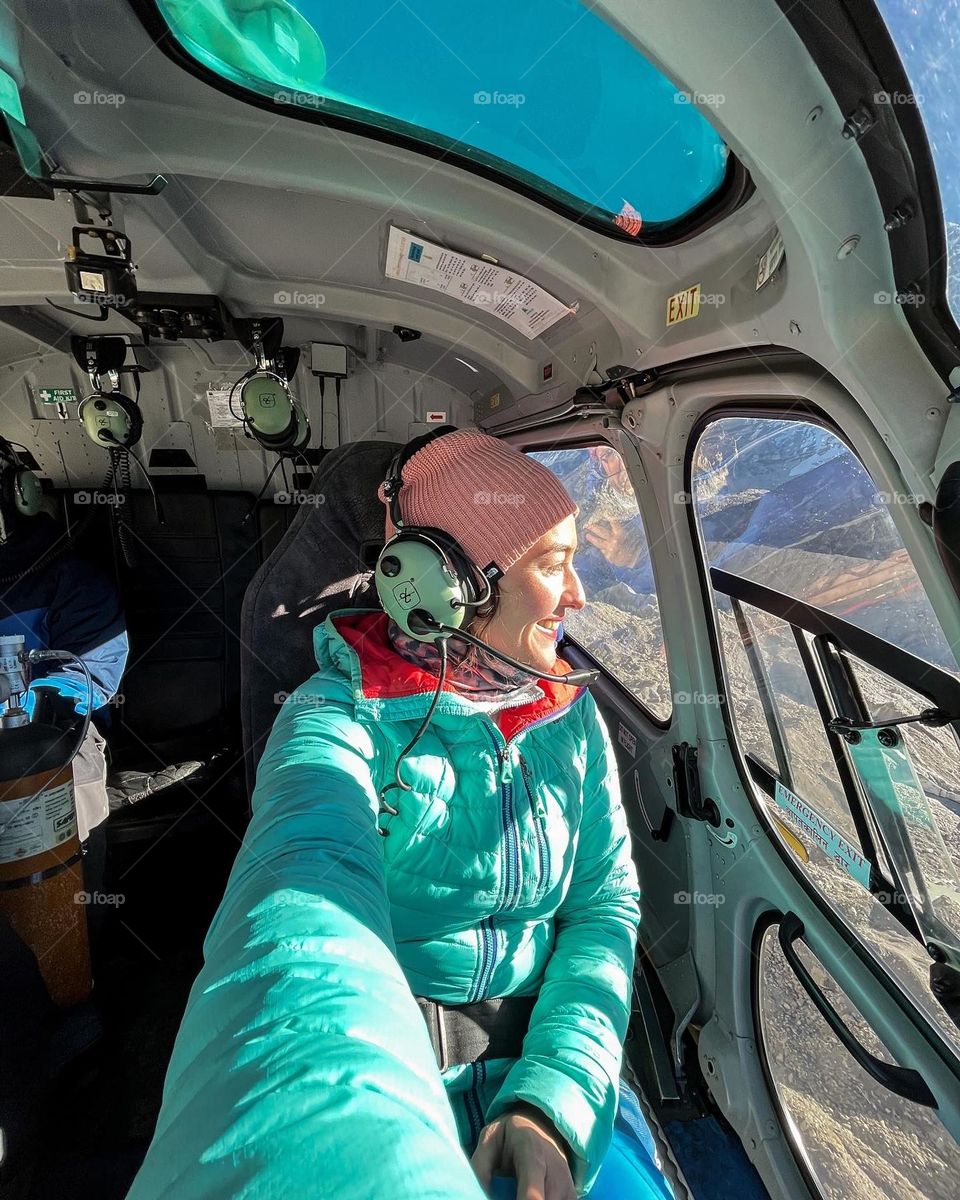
467, 1033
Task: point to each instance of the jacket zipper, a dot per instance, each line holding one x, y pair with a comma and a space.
538, 813
511, 838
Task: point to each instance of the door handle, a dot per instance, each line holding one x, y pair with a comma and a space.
903, 1081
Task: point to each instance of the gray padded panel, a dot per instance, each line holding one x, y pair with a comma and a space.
317, 568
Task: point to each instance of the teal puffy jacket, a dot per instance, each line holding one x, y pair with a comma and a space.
303, 1066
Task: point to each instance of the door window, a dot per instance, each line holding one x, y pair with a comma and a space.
795, 534
620, 625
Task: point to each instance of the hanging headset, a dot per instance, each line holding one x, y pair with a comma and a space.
20, 490
268, 410
110, 419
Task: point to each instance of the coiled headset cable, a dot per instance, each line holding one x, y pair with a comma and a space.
390, 809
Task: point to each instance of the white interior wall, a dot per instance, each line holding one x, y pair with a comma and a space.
387, 401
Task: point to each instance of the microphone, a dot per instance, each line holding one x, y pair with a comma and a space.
426, 623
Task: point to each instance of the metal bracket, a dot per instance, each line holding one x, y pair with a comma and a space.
66, 183
858, 122
850, 729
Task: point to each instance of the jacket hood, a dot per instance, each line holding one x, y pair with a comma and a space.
353, 644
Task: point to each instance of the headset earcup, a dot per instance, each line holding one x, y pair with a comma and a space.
136, 420
292, 437
414, 575
27, 493
133, 419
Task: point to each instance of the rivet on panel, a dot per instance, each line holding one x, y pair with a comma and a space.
847, 247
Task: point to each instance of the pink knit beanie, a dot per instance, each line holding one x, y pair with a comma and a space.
496, 501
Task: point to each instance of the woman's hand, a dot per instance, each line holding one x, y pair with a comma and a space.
524, 1143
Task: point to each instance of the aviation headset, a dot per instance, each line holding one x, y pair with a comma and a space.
430, 586
269, 412
20, 491
111, 419
427, 582
423, 576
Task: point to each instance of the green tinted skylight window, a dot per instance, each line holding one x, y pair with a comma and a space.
540, 91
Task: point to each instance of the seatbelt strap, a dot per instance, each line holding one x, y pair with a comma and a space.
467, 1033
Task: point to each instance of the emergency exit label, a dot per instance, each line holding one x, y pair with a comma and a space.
57, 395
683, 305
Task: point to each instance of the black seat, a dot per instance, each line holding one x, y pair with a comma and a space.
174, 728
323, 562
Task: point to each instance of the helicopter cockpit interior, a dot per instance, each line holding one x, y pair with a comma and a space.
693, 259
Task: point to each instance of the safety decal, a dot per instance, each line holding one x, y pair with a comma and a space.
61, 395
506, 295
627, 739
436, 416
218, 402
823, 833
628, 219
683, 305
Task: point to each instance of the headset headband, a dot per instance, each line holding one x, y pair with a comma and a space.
394, 481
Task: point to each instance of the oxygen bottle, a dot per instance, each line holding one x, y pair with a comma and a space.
41, 869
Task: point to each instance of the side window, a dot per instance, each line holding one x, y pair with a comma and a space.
796, 534
858, 1139
620, 626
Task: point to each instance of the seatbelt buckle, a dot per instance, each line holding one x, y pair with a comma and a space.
438, 1035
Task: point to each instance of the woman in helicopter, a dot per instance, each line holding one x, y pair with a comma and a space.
437, 812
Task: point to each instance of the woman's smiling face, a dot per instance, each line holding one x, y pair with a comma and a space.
535, 594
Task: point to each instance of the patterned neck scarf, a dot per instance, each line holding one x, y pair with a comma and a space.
470, 671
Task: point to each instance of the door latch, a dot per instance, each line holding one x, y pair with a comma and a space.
686, 782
